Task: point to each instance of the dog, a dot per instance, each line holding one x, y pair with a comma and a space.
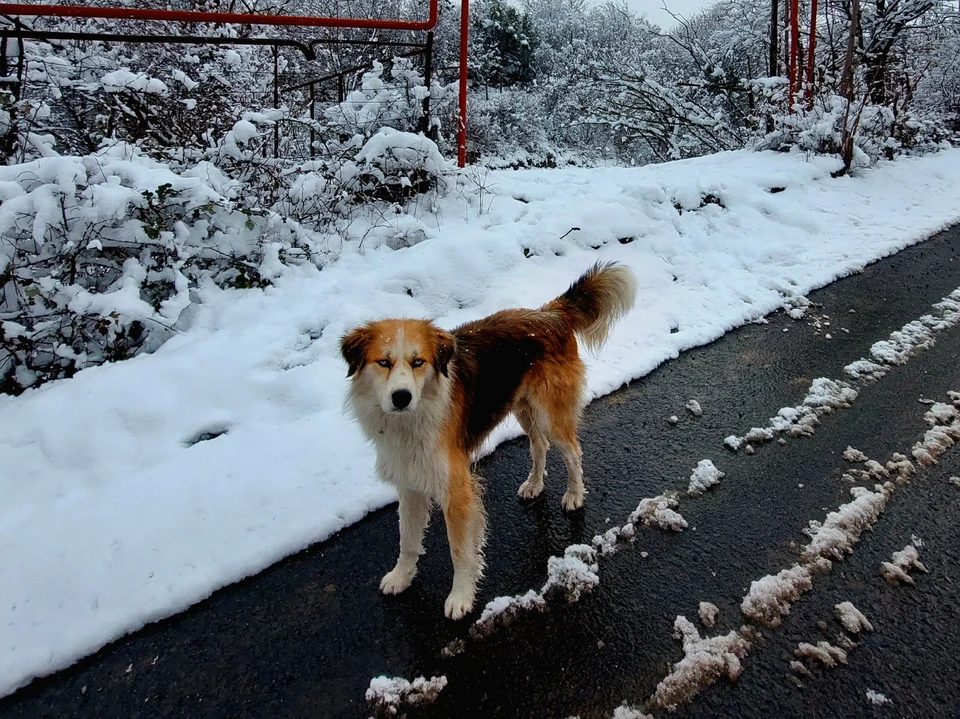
427, 399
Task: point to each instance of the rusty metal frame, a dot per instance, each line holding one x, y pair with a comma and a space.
120, 13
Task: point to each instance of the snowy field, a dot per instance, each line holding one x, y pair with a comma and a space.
114, 514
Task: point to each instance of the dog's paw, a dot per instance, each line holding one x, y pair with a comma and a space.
458, 605
530, 489
396, 580
572, 501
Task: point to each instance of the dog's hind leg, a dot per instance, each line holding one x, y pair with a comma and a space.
414, 514
466, 530
539, 445
562, 400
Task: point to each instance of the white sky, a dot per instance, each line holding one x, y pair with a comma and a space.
653, 9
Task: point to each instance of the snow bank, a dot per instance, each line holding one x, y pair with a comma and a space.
114, 516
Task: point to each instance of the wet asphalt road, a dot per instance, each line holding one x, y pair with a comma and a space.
304, 638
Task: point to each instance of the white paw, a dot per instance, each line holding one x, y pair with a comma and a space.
530, 489
572, 501
458, 604
396, 581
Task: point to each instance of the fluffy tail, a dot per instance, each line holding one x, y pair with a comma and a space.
602, 295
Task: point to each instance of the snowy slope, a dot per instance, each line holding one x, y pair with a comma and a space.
111, 517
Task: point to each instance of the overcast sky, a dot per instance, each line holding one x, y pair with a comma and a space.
653, 9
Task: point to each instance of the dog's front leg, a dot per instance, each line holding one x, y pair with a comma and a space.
414, 514
466, 527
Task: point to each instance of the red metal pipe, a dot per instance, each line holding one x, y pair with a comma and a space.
794, 49
464, 45
811, 45
118, 13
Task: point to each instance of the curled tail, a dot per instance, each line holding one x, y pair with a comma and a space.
602, 295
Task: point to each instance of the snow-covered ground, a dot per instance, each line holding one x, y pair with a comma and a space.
114, 515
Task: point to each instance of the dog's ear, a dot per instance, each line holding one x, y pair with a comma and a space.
353, 347
446, 344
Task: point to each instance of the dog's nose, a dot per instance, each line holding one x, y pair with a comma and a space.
401, 398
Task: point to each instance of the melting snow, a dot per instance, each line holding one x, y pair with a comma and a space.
704, 476
386, 695
659, 512
708, 614
876, 698
704, 662
851, 618
693, 407
823, 652
895, 571
770, 597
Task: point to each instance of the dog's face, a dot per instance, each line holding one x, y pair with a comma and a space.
398, 359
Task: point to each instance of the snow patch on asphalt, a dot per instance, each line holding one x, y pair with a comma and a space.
704, 662
852, 618
659, 511
896, 570
876, 698
705, 475
387, 695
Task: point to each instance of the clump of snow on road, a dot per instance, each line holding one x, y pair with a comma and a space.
852, 618
824, 396
854, 455
694, 408
704, 476
823, 652
569, 576
770, 597
796, 307
895, 571
837, 534
708, 614
955, 481
572, 574
660, 512
900, 468
944, 432
876, 698
704, 662
387, 695
610, 541
626, 712
866, 371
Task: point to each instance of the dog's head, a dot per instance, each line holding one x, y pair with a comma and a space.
397, 359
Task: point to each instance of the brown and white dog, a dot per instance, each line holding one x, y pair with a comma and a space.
427, 399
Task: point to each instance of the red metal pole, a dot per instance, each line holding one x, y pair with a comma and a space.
464, 43
119, 13
794, 50
810, 48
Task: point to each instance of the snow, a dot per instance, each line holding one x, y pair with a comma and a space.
660, 512
823, 652
852, 618
770, 597
694, 408
708, 613
112, 517
386, 695
895, 571
704, 662
569, 576
854, 455
705, 475
876, 698
841, 530
625, 712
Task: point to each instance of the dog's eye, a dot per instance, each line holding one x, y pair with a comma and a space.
384, 363
417, 363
